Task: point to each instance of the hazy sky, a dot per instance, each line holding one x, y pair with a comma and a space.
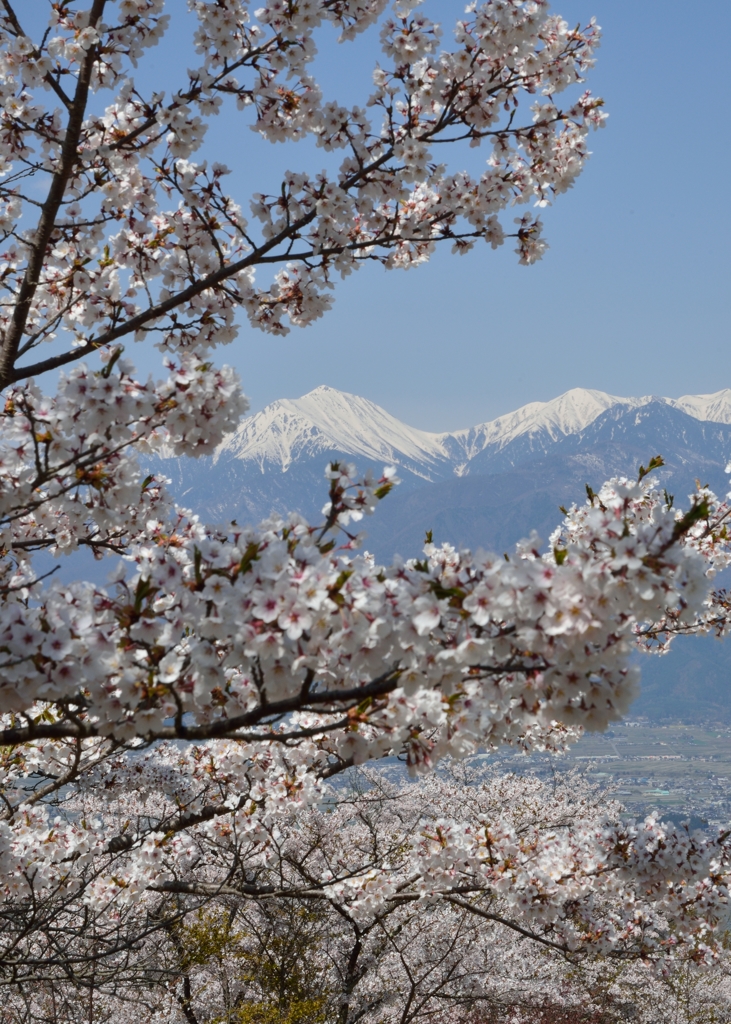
631, 298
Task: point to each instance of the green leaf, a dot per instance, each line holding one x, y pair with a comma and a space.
341, 580
143, 590
110, 365
655, 462
698, 510
249, 557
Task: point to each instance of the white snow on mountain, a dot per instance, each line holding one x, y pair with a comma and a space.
567, 414
326, 419
715, 407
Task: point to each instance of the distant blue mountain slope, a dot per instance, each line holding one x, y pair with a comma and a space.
497, 508
691, 683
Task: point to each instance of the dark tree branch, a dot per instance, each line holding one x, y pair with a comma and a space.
67, 163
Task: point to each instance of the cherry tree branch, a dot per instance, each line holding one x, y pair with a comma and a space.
67, 162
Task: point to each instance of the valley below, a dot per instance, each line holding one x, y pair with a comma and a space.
678, 770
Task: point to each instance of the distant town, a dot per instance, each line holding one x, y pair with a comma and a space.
681, 771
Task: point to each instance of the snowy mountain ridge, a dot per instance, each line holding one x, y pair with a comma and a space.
325, 419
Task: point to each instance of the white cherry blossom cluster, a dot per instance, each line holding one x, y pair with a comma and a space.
506, 887
67, 474
277, 633
707, 534
136, 237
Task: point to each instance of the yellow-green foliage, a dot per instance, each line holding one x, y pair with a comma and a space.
208, 936
274, 961
300, 1011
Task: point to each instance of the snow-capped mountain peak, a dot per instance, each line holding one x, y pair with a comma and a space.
326, 419
567, 414
715, 407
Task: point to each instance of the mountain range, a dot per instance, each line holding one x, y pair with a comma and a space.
324, 420
467, 479
486, 486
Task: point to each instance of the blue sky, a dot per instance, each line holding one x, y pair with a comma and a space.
633, 294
